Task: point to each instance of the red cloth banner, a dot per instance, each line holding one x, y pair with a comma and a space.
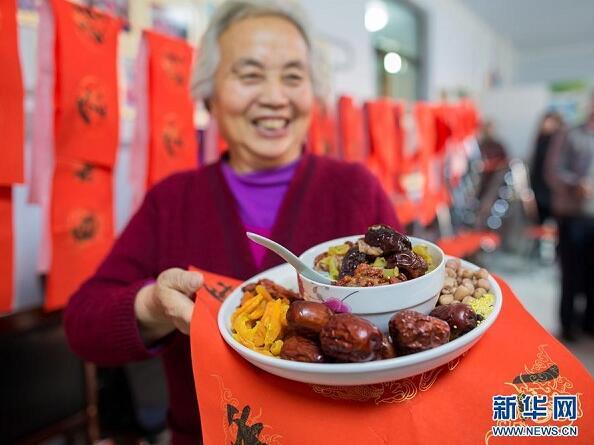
315, 134
323, 133
82, 227
6, 250
11, 97
350, 129
173, 144
86, 124
427, 142
86, 93
383, 154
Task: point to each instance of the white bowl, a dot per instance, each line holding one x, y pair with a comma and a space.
378, 303
347, 374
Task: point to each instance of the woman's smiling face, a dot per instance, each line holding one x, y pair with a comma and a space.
263, 93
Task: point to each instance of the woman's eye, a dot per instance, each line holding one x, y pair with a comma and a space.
250, 77
293, 79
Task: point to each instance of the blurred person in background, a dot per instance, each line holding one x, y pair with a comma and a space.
570, 174
494, 165
549, 126
257, 73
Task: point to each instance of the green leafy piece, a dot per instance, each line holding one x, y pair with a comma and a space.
380, 262
423, 252
341, 249
389, 273
333, 267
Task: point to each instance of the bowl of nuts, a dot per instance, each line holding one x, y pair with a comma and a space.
268, 323
376, 274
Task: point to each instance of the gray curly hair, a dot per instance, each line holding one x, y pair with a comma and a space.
233, 11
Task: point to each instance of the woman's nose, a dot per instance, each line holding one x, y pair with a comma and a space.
273, 94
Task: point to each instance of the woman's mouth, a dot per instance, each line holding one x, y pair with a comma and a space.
271, 127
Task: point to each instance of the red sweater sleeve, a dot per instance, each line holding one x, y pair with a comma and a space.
99, 320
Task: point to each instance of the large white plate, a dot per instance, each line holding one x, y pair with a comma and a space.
349, 373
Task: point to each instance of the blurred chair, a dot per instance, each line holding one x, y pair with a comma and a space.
541, 239
46, 391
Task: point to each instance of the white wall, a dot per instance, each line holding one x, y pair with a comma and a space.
340, 25
462, 49
553, 64
516, 110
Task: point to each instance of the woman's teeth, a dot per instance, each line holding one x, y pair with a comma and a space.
271, 124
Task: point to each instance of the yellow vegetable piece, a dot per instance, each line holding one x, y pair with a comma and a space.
243, 327
257, 313
264, 351
261, 326
246, 297
273, 327
284, 311
247, 307
244, 342
262, 291
276, 347
260, 321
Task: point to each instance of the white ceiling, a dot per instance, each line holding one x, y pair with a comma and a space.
538, 24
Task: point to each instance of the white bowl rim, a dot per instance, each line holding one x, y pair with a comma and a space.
356, 368
383, 286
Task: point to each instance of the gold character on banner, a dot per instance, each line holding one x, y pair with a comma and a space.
91, 104
91, 24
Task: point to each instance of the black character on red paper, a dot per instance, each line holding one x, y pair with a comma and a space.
86, 229
85, 172
171, 136
221, 292
90, 23
551, 373
173, 66
246, 434
91, 101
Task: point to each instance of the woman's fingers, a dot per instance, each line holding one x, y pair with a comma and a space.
177, 307
180, 280
167, 304
175, 287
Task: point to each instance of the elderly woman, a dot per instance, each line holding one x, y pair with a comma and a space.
255, 73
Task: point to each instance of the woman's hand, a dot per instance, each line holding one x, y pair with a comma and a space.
167, 305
